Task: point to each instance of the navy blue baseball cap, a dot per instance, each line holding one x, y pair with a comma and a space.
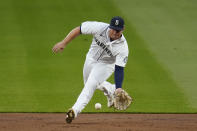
117, 23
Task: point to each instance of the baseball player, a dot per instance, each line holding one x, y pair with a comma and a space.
108, 53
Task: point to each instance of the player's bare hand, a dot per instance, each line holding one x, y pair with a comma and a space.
59, 47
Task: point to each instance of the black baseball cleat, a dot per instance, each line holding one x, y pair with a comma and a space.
70, 115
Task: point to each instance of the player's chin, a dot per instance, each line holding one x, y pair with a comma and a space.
114, 37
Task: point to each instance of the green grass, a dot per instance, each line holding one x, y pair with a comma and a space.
33, 79
168, 29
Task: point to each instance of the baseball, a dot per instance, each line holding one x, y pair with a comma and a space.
97, 106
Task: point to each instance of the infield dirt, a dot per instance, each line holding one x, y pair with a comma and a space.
98, 122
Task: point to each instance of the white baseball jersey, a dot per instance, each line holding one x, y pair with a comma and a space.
102, 49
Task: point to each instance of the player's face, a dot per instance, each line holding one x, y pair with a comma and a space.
115, 34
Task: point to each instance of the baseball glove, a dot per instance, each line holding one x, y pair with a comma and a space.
122, 100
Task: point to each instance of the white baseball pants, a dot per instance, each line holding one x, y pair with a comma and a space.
94, 74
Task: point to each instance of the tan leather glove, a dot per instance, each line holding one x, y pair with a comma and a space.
122, 100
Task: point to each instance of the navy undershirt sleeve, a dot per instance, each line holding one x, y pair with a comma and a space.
80, 29
119, 76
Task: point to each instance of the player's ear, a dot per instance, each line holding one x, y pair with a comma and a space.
123, 29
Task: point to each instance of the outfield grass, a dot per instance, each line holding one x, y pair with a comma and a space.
168, 29
33, 79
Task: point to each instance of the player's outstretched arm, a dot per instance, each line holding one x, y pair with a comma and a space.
62, 44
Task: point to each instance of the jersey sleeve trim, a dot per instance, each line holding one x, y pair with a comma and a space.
80, 30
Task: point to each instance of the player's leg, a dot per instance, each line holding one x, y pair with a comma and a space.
108, 90
106, 87
99, 73
88, 65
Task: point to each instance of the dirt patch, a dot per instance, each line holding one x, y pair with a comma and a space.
98, 122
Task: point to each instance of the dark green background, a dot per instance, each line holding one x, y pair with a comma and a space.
160, 74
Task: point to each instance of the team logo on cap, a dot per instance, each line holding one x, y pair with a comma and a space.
117, 22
